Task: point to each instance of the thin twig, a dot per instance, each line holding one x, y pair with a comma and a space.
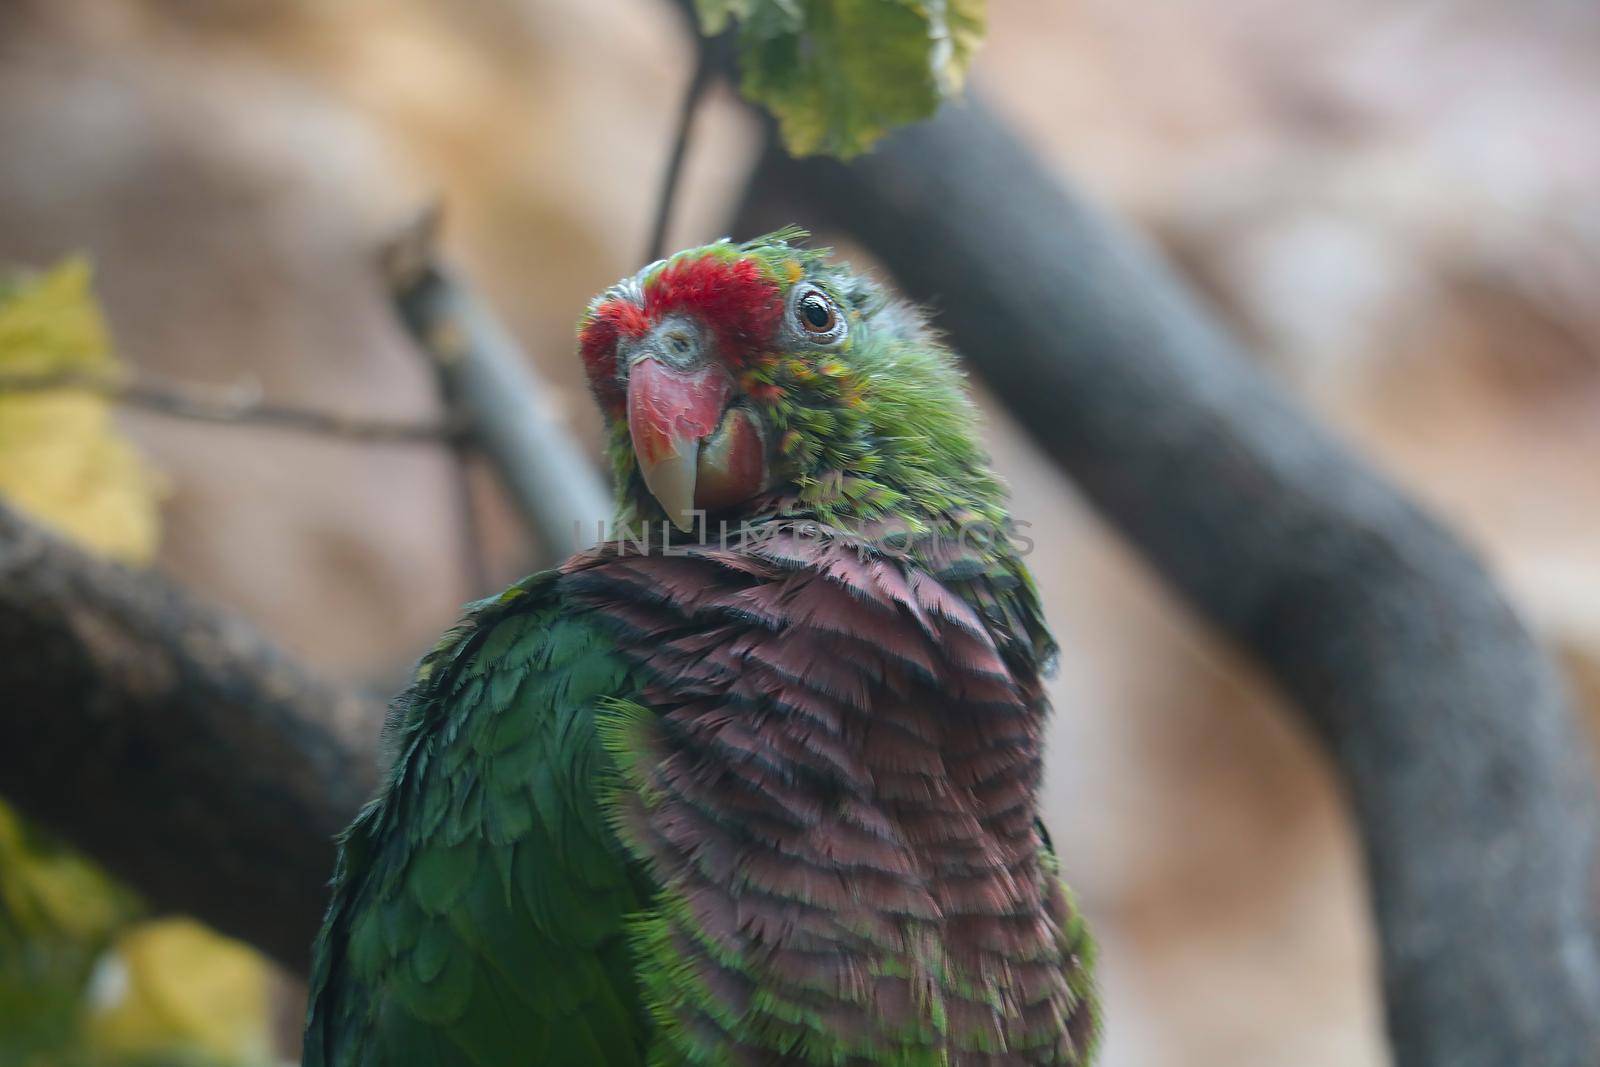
233, 405
703, 69
474, 561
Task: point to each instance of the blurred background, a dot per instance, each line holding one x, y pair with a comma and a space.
1394, 203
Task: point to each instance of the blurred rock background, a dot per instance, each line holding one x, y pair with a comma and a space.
1395, 203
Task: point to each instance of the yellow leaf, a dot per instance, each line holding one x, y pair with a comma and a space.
50, 890
164, 991
172, 987
61, 458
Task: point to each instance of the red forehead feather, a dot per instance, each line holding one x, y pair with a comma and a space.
613, 320
734, 297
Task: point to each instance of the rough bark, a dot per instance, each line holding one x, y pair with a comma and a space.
173, 743
1448, 724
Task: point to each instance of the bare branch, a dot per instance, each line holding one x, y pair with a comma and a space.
234, 405
469, 529
173, 743
508, 410
407, 257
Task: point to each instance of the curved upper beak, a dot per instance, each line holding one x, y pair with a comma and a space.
671, 410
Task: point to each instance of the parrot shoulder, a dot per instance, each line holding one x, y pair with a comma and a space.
479, 900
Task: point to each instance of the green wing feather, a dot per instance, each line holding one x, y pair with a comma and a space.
479, 904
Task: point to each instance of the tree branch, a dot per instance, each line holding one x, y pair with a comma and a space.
494, 388
238, 405
173, 743
668, 194
1447, 723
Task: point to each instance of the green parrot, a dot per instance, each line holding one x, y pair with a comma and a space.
754, 781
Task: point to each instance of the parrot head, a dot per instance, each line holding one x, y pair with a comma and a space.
746, 380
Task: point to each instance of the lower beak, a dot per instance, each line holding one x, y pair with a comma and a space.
670, 411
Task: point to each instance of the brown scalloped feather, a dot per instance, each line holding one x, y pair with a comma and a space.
839, 782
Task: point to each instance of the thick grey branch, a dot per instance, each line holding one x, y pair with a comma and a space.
1447, 723
173, 743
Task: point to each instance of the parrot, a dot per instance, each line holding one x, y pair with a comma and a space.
754, 781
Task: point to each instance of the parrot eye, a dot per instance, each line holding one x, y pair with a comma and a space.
815, 315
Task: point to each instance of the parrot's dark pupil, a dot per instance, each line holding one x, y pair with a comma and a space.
816, 312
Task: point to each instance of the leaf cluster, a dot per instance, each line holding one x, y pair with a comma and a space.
839, 74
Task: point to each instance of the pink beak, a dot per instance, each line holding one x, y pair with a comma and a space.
670, 411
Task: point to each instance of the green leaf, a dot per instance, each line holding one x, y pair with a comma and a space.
839, 74
715, 14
